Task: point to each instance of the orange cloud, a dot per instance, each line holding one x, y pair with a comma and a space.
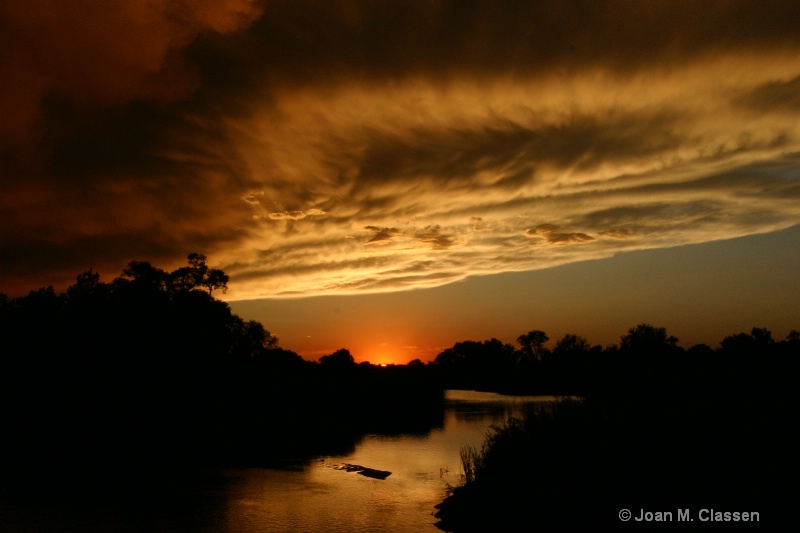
617, 233
155, 129
549, 233
296, 215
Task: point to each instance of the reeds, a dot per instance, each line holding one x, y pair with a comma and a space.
471, 461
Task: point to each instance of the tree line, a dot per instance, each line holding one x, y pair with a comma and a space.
576, 367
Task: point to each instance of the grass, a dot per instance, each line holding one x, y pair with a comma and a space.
471, 459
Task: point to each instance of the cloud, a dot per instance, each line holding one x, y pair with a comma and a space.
617, 233
438, 241
253, 197
101, 53
551, 236
429, 236
541, 230
382, 230
773, 96
380, 237
296, 215
566, 238
403, 144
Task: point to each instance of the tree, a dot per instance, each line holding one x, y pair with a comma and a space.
250, 338
339, 358
738, 344
477, 354
570, 344
532, 343
197, 274
762, 336
215, 279
143, 275
88, 294
188, 277
647, 339
758, 340
85, 284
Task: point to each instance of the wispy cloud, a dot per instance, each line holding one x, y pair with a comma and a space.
551, 236
253, 198
295, 215
381, 235
617, 233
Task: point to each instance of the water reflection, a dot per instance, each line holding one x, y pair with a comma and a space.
316, 496
422, 467
491, 408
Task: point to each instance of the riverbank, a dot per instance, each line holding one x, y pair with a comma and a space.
652, 442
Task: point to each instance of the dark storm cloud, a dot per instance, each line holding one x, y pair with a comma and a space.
301, 42
101, 53
282, 136
91, 144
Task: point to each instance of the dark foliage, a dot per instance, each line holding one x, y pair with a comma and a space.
151, 371
659, 429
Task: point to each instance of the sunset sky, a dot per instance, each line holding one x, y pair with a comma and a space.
396, 176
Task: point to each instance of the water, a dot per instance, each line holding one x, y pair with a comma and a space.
317, 496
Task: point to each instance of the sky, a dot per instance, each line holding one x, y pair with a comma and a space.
396, 176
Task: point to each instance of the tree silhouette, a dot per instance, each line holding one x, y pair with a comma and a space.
144, 276
532, 343
758, 340
86, 284
339, 359
762, 336
570, 344
648, 339
215, 279
198, 274
251, 338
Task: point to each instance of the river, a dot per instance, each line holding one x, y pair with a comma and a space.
316, 496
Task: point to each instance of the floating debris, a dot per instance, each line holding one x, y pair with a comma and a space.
364, 471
